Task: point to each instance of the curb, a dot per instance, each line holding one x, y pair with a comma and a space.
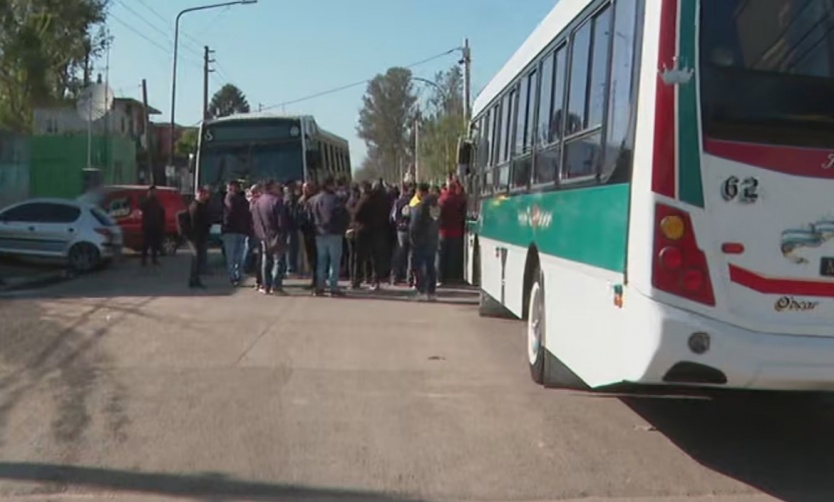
35, 281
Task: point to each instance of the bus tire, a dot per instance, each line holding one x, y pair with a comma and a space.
535, 326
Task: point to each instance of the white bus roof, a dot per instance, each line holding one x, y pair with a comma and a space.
334, 138
562, 14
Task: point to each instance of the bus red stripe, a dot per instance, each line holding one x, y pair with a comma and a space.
664, 165
809, 162
777, 286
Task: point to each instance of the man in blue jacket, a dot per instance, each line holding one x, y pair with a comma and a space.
424, 234
269, 217
330, 218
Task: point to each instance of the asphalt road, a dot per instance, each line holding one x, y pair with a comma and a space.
127, 386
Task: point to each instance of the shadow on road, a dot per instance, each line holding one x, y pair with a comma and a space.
127, 278
215, 487
456, 296
781, 445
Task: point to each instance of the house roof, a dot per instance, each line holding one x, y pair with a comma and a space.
151, 110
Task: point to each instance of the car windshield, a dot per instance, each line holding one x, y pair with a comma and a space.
282, 162
767, 71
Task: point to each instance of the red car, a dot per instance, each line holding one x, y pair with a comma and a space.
122, 203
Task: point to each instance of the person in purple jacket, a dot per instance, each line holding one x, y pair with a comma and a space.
270, 222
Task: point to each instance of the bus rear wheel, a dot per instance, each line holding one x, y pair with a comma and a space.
536, 319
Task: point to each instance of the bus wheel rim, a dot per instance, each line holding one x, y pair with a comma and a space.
534, 324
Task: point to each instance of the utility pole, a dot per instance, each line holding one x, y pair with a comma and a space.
147, 132
416, 150
206, 71
466, 61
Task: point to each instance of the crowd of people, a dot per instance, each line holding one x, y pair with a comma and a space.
371, 234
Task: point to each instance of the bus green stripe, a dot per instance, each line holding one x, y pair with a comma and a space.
586, 225
690, 187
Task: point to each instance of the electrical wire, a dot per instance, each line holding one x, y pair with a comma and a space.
167, 35
151, 41
355, 84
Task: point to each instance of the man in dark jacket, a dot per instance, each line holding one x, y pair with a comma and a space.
269, 217
153, 227
331, 220
236, 225
402, 270
308, 228
370, 224
424, 229
198, 227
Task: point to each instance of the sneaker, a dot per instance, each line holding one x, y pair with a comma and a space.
376, 287
262, 290
432, 298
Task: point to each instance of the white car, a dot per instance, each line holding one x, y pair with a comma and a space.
77, 233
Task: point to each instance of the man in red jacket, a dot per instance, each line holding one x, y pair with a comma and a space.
452, 221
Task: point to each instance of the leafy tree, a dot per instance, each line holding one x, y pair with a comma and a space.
386, 122
187, 142
442, 125
229, 100
45, 48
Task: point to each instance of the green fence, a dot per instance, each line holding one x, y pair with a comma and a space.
14, 168
58, 163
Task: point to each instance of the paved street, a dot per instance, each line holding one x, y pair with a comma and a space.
128, 386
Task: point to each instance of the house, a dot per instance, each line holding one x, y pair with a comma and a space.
69, 153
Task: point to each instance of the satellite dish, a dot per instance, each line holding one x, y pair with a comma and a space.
95, 101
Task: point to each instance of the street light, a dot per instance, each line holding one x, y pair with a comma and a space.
174, 77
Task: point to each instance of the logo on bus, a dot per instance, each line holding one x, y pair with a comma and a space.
829, 163
791, 304
535, 218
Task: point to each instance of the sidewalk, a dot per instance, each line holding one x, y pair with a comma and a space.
16, 275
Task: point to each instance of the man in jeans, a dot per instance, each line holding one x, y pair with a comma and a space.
330, 219
236, 227
423, 233
270, 221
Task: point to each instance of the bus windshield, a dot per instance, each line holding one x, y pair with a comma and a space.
767, 71
220, 163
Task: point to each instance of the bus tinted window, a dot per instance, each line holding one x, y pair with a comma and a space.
279, 162
559, 78
598, 88
580, 55
766, 71
545, 100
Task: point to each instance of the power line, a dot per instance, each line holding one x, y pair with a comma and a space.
354, 84
156, 44
165, 34
166, 21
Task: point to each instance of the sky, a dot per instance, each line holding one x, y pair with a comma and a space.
277, 51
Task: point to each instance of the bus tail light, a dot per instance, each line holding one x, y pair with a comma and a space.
679, 267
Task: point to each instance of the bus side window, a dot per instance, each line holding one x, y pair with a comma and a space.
620, 131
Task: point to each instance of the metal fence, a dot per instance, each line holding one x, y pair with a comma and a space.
14, 168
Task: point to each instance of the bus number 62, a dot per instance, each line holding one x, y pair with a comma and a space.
745, 191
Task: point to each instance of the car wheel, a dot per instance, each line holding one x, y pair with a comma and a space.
84, 258
170, 245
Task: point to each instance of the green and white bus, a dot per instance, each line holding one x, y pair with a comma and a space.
655, 179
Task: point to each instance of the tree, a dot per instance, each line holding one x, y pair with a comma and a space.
386, 122
442, 126
187, 142
46, 49
229, 100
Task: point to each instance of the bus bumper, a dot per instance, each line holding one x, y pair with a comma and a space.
689, 349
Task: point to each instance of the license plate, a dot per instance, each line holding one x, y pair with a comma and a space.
827, 267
